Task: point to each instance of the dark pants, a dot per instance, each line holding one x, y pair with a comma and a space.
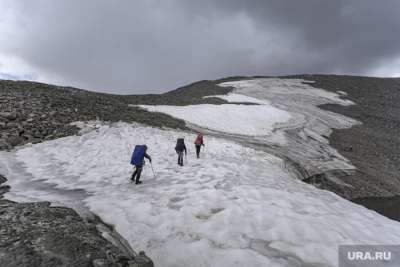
198, 151
180, 157
137, 173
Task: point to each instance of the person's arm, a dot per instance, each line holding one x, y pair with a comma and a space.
147, 157
184, 147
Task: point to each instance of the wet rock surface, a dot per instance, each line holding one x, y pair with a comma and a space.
35, 234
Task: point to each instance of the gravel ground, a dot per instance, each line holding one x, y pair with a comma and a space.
373, 147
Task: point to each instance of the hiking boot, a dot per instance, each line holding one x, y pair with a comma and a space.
138, 182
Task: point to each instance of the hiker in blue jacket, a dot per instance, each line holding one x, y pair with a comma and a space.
139, 153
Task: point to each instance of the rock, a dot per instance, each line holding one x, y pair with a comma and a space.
4, 145
27, 137
10, 116
14, 125
35, 234
36, 140
37, 134
2, 179
15, 141
141, 260
4, 189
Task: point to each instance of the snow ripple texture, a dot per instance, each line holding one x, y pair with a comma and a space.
286, 119
235, 206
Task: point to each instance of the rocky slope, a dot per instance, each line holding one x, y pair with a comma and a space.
373, 145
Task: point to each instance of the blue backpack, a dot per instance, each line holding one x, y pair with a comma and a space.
138, 155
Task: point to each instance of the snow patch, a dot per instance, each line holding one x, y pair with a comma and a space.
229, 118
234, 206
297, 87
287, 119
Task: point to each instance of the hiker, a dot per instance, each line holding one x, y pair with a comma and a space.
179, 148
198, 143
138, 155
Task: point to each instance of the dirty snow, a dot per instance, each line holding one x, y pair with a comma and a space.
293, 123
232, 207
298, 87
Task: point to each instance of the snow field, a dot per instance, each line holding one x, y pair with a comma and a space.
287, 118
232, 207
258, 119
287, 87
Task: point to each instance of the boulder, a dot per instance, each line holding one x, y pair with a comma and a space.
15, 140
9, 116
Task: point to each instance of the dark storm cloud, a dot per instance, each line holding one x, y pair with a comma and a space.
148, 46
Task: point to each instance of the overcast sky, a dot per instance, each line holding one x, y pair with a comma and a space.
147, 46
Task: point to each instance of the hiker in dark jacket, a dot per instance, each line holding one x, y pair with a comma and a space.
198, 143
139, 153
179, 148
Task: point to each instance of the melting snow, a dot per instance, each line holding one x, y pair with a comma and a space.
287, 118
229, 118
234, 206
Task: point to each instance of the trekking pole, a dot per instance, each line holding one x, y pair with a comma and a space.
154, 174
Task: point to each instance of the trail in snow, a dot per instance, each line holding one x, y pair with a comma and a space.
233, 207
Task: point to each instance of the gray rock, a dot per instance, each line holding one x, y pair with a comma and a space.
2, 179
10, 116
4, 145
15, 141
36, 140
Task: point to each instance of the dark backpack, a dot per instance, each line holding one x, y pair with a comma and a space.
138, 155
180, 144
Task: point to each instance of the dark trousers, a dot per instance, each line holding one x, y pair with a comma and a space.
180, 157
137, 173
198, 151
